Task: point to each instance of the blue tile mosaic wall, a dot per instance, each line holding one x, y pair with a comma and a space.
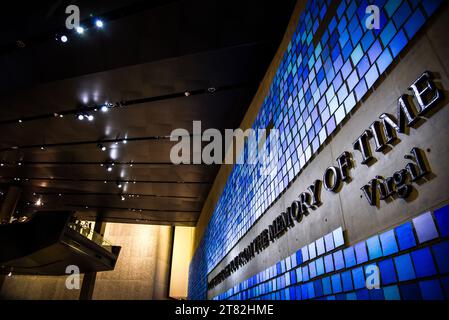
414, 271
331, 62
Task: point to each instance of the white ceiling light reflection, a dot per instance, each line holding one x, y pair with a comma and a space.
113, 153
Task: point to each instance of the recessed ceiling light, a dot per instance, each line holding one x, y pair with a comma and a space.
90, 117
187, 93
20, 120
80, 117
99, 23
109, 169
104, 108
80, 30
64, 39
123, 198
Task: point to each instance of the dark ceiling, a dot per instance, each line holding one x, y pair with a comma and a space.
148, 54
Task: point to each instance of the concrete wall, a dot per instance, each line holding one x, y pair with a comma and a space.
141, 273
349, 208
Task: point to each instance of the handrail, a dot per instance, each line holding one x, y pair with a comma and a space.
91, 235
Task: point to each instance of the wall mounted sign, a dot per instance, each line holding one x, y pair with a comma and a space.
380, 136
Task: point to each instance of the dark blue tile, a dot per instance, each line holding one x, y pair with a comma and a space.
431, 5
387, 272
402, 14
441, 254
442, 218
414, 23
346, 278
423, 262
431, 290
410, 292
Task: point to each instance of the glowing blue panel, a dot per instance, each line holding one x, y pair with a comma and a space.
404, 267
423, 262
336, 283
392, 293
326, 285
425, 227
329, 241
406, 238
349, 257
388, 241
312, 270
312, 251
320, 247
387, 272
358, 275
338, 237
441, 254
319, 266
338, 260
374, 249
431, 290
329, 263
360, 252
347, 281
410, 292
442, 218
305, 253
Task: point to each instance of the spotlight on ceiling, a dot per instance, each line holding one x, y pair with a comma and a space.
20, 121
64, 39
119, 184
187, 93
101, 147
123, 198
99, 23
80, 116
104, 108
109, 168
80, 30
39, 202
90, 117
124, 141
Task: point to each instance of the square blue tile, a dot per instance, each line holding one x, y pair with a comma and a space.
442, 218
405, 236
404, 267
388, 242
425, 227
423, 262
